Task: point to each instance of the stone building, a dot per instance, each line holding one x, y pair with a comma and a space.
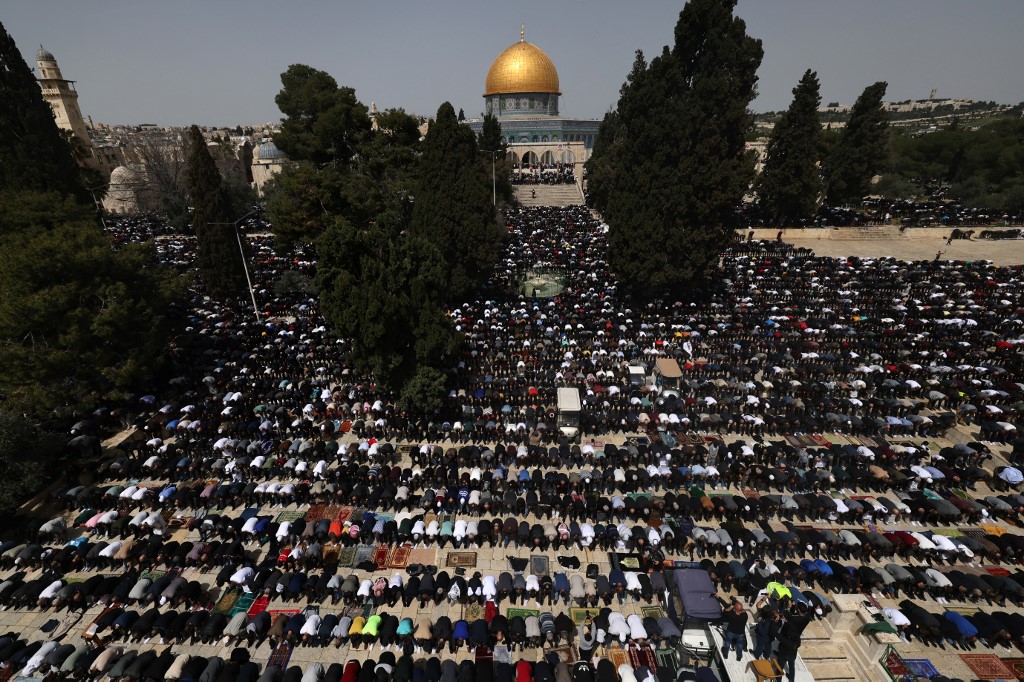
62, 96
267, 162
522, 90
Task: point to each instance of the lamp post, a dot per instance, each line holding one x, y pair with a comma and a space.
494, 183
245, 263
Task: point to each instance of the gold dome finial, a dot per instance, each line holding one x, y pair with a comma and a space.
522, 67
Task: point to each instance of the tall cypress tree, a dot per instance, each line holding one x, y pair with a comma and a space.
790, 184
453, 207
33, 154
217, 254
862, 148
670, 180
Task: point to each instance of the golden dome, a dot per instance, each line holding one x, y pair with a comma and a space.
522, 67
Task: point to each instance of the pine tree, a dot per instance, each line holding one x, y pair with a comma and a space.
323, 123
217, 253
33, 154
453, 205
861, 150
79, 320
671, 177
790, 185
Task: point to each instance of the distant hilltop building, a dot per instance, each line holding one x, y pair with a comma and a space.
522, 90
62, 97
267, 161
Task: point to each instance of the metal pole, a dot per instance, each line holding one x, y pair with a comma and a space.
245, 266
494, 184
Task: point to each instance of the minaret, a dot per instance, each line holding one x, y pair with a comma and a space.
61, 95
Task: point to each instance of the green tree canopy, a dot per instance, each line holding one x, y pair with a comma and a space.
33, 153
790, 185
217, 252
860, 152
79, 320
25, 453
453, 207
381, 287
670, 166
323, 123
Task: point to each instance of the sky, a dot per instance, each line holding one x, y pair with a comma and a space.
219, 63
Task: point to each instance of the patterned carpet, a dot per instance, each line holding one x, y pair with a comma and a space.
290, 516
540, 565
381, 553
524, 613
987, 666
920, 667
461, 560
1016, 665
472, 611
259, 606
425, 556
280, 656
244, 603
227, 601
579, 615
566, 654
400, 557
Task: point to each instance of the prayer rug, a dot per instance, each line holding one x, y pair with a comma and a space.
425, 556
652, 612
794, 441
472, 611
280, 656
363, 553
579, 614
894, 664
617, 655
920, 667
461, 560
259, 606
666, 658
244, 603
566, 654
751, 494
400, 557
513, 611
345, 514
962, 610
539, 565
997, 571
1016, 665
227, 601
346, 555
629, 562
380, 556
290, 516
820, 441
987, 666
319, 512
275, 613
948, 532
867, 442
974, 533
994, 530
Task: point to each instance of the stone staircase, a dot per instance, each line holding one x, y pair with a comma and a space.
824, 656
834, 649
866, 233
548, 195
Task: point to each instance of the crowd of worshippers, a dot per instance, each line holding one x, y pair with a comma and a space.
544, 174
786, 344
115, 662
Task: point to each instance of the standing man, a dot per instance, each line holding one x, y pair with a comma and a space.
735, 619
766, 632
